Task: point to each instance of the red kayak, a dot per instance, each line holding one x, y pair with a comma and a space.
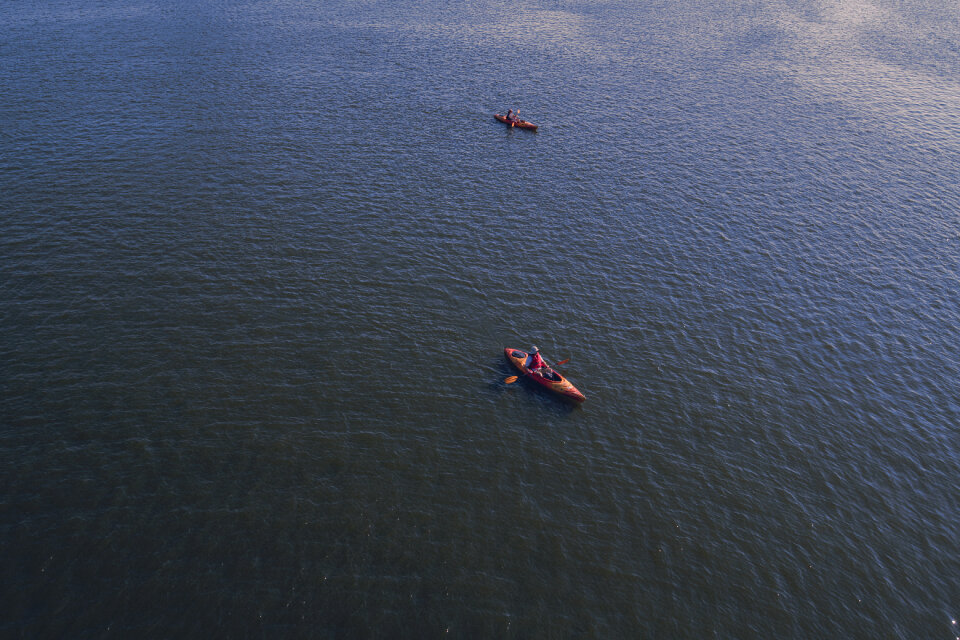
523, 124
546, 377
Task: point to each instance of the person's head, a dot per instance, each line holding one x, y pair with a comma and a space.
534, 349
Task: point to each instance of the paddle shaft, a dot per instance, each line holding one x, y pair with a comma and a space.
513, 379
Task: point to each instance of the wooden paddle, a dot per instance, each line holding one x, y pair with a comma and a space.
513, 379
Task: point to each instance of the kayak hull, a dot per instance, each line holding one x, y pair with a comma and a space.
522, 124
561, 386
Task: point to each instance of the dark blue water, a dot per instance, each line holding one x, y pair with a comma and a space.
259, 261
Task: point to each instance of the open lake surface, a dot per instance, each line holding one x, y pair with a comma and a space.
259, 262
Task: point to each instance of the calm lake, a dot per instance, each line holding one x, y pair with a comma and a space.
259, 261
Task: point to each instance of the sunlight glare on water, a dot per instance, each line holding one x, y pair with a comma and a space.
259, 264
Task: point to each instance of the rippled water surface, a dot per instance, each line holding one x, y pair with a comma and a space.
259, 261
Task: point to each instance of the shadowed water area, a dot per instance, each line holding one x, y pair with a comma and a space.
259, 262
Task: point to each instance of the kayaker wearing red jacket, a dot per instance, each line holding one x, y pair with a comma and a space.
534, 361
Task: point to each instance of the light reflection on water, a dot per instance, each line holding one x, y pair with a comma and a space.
259, 263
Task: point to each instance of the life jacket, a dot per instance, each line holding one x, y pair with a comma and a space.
535, 361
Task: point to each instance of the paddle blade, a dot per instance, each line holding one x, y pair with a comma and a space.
511, 379
563, 361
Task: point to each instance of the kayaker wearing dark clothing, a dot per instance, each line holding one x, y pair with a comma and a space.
534, 361
509, 116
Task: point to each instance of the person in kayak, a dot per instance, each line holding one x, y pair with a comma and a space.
510, 117
534, 362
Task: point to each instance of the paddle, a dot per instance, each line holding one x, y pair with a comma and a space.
513, 379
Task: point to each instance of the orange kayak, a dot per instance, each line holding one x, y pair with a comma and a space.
523, 124
546, 377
